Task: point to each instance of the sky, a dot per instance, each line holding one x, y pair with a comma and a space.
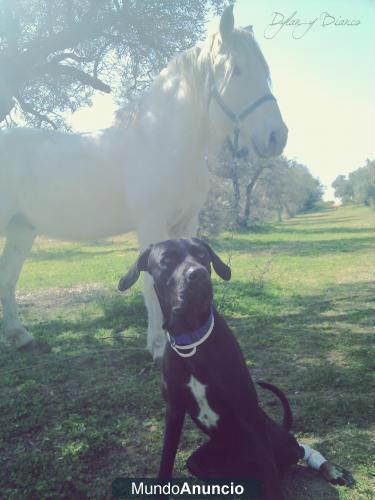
323, 75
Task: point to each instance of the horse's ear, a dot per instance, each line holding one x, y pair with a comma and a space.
249, 28
226, 23
220, 268
141, 264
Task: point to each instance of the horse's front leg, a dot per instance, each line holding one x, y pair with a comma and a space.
148, 234
20, 236
155, 334
186, 229
153, 233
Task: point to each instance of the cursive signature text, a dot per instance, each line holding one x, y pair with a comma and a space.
299, 27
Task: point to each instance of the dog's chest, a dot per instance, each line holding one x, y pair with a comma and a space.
206, 415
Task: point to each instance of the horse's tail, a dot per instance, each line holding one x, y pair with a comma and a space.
288, 415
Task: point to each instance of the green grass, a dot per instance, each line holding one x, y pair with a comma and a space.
300, 303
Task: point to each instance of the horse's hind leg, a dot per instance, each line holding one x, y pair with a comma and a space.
20, 236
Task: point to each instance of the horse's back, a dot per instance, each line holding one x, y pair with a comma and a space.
65, 184
24, 160
28, 151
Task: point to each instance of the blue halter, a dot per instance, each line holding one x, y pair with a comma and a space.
238, 118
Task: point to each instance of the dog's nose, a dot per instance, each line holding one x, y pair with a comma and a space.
195, 273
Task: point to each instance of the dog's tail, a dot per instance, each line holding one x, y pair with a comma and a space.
288, 415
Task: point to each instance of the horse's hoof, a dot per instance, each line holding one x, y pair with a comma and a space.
19, 337
336, 474
35, 346
158, 351
157, 347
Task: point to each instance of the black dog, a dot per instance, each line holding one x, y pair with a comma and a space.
205, 375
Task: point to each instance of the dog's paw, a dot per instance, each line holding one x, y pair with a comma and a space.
336, 474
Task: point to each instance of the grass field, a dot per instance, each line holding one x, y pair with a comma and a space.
300, 303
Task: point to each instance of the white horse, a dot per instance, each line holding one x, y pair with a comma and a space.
147, 172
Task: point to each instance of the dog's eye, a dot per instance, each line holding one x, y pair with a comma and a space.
167, 259
200, 254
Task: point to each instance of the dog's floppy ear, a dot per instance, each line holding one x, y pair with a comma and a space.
220, 268
133, 274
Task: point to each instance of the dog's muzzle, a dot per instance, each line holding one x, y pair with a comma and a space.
197, 289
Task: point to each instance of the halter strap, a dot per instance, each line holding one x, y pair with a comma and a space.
237, 118
247, 111
230, 114
255, 105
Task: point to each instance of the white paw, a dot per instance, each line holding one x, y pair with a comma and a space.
336, 474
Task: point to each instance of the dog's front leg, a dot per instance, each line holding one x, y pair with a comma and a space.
174, 422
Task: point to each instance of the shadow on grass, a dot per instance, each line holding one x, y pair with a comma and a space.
326, 230
302, 221
118, 313
295, 247
320, 348
68, 255
309, 484
94, 414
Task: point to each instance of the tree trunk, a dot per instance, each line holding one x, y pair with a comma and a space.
288, 211
280, 214
6, 101
237, 193
249, 189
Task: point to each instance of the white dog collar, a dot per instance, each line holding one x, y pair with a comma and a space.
190, 341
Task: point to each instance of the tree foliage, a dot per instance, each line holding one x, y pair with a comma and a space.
342, 188
289, 188
55, 53
256, 192
358, 187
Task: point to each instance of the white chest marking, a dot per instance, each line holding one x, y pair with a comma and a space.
206, 415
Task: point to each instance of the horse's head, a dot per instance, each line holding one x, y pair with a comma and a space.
240, 100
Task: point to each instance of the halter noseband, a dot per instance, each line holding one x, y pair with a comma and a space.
238, 118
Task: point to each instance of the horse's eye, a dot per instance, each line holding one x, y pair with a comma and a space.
236, 71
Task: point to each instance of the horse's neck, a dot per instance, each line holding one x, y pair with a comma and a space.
177, 103
172, 114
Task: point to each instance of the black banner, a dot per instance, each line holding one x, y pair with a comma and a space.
125, 488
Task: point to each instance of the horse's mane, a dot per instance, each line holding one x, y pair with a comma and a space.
127, 114
195, 65
184, 64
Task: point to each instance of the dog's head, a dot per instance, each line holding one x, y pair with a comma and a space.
181, 271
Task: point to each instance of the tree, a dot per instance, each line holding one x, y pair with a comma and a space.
362, 182
55, 54
342, 188
244, 175
288, 188
257, 192
359, 186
